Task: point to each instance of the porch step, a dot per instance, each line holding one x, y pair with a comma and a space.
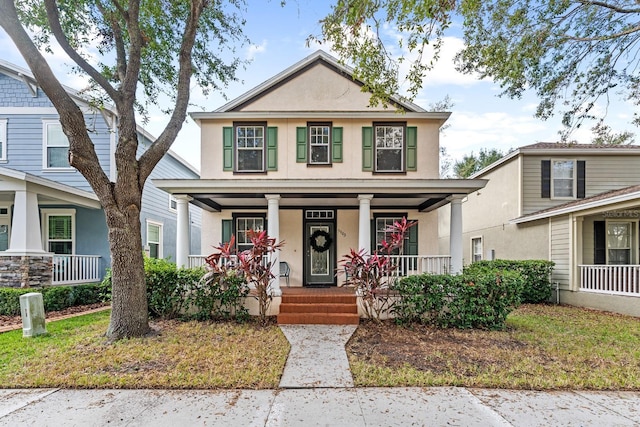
317, 306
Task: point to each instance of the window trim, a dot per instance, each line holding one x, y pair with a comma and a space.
329, 161
403, 155
3, 140
44, 218
160, 244
45, 146
473, 254
236, 157
234, 225
574, 184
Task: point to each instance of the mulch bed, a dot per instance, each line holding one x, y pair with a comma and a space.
6, 321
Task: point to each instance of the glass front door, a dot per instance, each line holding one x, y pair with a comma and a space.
320, 258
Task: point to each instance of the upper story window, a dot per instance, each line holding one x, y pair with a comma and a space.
389, 147
59, 230
250, 147
319, 143
56, 146
3, 139
563, 179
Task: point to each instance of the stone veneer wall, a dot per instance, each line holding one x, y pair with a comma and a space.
25, 271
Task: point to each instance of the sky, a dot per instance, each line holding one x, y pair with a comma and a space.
480, 119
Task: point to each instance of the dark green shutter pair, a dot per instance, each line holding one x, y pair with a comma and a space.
301, 145
368, 149
227, 149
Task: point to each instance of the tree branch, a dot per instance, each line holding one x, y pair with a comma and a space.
609, 6
53, 17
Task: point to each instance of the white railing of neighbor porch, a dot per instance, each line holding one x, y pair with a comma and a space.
72, 269
196, 261
610, 279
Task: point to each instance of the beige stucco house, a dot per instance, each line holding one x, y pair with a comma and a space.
304, 157
577, 205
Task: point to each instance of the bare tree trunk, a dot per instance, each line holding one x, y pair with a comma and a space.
129, 312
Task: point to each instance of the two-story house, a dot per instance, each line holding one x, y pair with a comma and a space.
306, 158
577, 205
52, 227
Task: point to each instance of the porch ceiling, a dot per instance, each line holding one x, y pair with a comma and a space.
423, 195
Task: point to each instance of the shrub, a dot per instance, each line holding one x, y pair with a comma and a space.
420, 298
10, 300
55, 298
220, 296
535, 273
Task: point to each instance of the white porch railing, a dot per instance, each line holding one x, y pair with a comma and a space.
72, 269
408, 265
610, 279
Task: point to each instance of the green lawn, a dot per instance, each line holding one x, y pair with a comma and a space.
543, 347
75, 354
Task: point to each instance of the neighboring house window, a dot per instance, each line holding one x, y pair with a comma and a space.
3, 139
250, 147
56, 146
5, 223
619, 241
154, 239
59, 230
389, 147
319, 143
243, 224
173, 203
563, 179
476, 249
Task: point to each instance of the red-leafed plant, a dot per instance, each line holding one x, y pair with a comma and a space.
253, 264
372, 275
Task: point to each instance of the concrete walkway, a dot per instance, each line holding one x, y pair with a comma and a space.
318, 392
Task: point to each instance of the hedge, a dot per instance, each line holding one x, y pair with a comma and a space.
55, 297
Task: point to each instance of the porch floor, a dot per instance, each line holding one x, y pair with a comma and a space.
328, 306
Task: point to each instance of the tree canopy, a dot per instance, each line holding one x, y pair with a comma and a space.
470, 163
132, 51
572, 53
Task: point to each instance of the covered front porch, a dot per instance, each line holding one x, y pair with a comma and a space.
320, 220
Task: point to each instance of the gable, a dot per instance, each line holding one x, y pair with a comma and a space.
15, 92
318, 87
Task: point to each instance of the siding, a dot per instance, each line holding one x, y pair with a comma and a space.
14, 93
560, 249
603, 173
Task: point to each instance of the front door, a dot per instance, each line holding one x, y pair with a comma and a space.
320, 253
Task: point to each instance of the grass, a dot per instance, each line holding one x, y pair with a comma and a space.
189, 355
543, 347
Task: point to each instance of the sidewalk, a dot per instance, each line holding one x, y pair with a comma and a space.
316, 389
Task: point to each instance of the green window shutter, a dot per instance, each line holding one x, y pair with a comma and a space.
272, 148
227, 230
227, 148
411, 244
412, 149
336, 148
301, 145
367, 148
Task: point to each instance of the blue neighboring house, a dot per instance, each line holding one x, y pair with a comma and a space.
52, 227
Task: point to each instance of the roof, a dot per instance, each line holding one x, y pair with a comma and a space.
560, 149
25, 75
602, 199
229, 109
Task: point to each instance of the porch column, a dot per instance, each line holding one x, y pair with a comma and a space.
364, 223
26, 236
182, 230
273, 225
455, 234
575, 249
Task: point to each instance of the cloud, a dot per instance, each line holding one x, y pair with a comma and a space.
255, 49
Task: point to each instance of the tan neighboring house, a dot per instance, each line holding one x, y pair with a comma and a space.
577, 205
304, 157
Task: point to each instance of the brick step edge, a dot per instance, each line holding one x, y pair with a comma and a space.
318, 299
318, 319
318, 308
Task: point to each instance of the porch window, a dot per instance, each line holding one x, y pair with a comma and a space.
250, 147
381, 224
154, 239
243, 225
389, 147
476, 249
319, 144
59, 231
563, 178
56, 146
3, 139
619, 241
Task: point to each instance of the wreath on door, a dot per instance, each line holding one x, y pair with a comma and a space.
313, 240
